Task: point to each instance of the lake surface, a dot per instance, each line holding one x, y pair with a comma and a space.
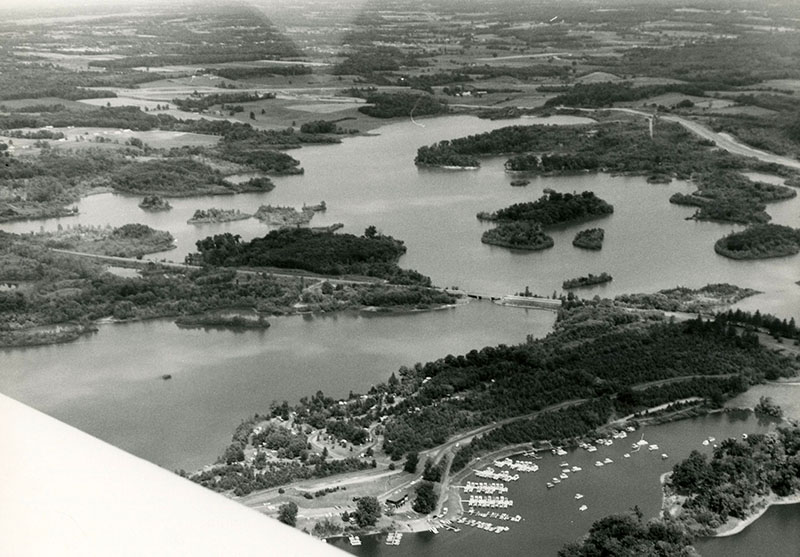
109, 384
551, 517
373, 181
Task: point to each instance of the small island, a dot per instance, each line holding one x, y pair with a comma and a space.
217, 215
591, 238
154, 203
221, 321
288, 216
760, 241
589, 280
518, 235
553, 208
284, 216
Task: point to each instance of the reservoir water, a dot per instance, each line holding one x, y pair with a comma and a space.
373, 180
109, 384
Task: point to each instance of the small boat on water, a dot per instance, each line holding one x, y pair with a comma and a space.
550, 485
355, 540
598, 463
664, 456
582, 508
576, 468
744, 436
607, 460
556, 481
705, 442
653, 447
564, 465
592, 449
712, 439
563, 476
626, 455
578, 496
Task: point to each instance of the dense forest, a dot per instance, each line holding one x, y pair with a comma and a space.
502, 382
394, 105
606, 94
518, 235
371, 254
774, 325
760, 241
628, 535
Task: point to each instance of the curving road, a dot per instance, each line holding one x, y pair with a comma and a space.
723, 141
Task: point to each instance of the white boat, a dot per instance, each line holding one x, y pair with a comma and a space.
598, 463
560, 451
712, 439
607, 460
744, 436
582, 508
563, 476
664, 456
578, 496
355, 540
564, 465
626, 455
550, 485
592, 448
556, 481
705, 442
653, 447
576, 468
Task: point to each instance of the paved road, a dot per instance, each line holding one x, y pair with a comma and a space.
723, 141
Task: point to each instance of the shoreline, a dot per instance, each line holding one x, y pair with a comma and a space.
735, 526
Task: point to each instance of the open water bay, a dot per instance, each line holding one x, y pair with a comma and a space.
109, 384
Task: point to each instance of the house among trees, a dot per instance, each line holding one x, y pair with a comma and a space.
397, 501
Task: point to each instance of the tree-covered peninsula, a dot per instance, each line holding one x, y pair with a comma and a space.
56, 297
541, 390
591, 238
518, 235
129, 240
742, 477
625, 147
372, 254
760, 241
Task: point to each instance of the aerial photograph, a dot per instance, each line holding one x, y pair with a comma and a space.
400, 278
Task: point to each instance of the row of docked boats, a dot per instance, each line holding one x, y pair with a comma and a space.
496, 515
488, 526
394, 538
518, 465
490, 502
490, 474
484, 487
